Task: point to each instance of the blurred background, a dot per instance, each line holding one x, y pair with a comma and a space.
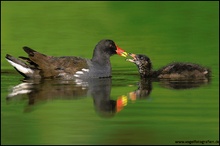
180, 31
165, 31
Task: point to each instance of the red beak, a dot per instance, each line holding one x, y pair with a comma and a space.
121, 52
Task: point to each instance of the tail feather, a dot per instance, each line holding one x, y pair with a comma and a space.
32, 52
15, 60
20, 66
32, 66
37, 59
25, 59
29, 51
28, 60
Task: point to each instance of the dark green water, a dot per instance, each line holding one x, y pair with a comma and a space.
63, 113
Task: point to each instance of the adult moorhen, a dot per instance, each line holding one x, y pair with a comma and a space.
38, 65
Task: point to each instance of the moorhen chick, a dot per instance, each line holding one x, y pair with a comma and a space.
178, 70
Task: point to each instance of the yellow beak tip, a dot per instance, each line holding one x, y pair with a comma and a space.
124, 54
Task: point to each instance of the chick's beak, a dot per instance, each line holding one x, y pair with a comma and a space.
121, 52
133, 56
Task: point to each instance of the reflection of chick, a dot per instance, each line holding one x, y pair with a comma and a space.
184, 84
171, 71
143, 91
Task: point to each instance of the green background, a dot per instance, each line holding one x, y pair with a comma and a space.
165, 31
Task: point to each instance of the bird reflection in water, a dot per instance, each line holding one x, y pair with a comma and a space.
99, 89
38, 91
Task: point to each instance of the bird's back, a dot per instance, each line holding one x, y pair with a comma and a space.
183, 70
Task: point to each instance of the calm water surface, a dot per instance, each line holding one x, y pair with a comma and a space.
122, 109
107, 111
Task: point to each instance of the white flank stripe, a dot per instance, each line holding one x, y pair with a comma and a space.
79, 72
87, 70
76, 75
20, 68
